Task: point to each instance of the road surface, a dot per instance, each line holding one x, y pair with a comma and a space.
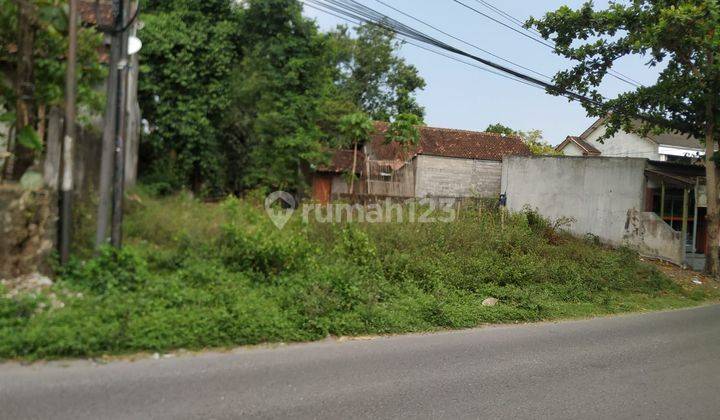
661, 365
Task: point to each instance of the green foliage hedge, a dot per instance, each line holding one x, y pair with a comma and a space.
202, 275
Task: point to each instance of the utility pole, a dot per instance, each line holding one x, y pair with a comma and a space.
113, 151
120, 131
66, 188
108, 140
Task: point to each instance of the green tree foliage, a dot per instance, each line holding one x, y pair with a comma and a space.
244, 96
49, 21
373, 76
280, 90
190, 50
679, 36
533, 139
500, 129
355, 130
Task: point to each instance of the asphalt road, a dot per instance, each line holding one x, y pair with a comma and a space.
662, 365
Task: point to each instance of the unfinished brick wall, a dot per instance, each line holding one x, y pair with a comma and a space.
453, 177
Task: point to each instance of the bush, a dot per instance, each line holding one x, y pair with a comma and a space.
112, 270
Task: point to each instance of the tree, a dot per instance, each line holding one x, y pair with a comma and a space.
371, 74
404, 130
281, 91
33, 35
683, 36
533, 139
244, 96
355, 129
190, 49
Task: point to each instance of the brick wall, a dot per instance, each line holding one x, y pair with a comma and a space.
452, 177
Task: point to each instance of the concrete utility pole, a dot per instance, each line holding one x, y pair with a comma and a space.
112, 158
120, 134
66, 189
108, 141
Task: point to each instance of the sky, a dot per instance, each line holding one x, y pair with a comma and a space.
464, 97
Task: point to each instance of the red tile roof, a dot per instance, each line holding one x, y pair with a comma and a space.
448, 142
342, 161
434, 141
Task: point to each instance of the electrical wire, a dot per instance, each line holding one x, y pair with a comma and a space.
448, 56
357, 11
507, 16
524, 32
463, 41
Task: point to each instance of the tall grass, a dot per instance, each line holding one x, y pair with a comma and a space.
198, 275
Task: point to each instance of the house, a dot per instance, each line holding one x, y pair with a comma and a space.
575, 146
446, 163
666, 147
658, 208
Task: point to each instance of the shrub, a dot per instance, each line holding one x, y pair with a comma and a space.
112, 270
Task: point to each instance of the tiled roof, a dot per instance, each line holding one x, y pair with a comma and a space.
342, 161
444, 142
451, 143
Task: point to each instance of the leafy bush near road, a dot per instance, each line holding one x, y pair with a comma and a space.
197, 275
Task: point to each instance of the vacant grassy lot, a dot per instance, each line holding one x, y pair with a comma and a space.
197, 275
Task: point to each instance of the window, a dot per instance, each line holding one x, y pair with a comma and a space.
386, 173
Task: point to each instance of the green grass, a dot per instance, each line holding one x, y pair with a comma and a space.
197, 275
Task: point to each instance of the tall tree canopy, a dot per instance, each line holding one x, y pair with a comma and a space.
190, 50
280, 88
682, 36
242, 96
372, 75
40, 28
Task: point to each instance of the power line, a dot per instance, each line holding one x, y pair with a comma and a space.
524, 33
430, 50
507, 15
463, 41
355, 10
533, 30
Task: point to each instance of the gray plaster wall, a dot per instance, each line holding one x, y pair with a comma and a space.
652, 237
452, 177
596, 192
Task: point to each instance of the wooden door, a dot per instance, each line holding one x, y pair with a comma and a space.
322, 188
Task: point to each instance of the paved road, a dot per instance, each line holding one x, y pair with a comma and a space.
663, 365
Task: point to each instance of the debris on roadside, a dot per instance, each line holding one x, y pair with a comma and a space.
490, 302
34, 283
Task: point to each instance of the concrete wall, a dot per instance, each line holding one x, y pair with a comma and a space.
652, 237
596, 192
624, 144
452, 177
